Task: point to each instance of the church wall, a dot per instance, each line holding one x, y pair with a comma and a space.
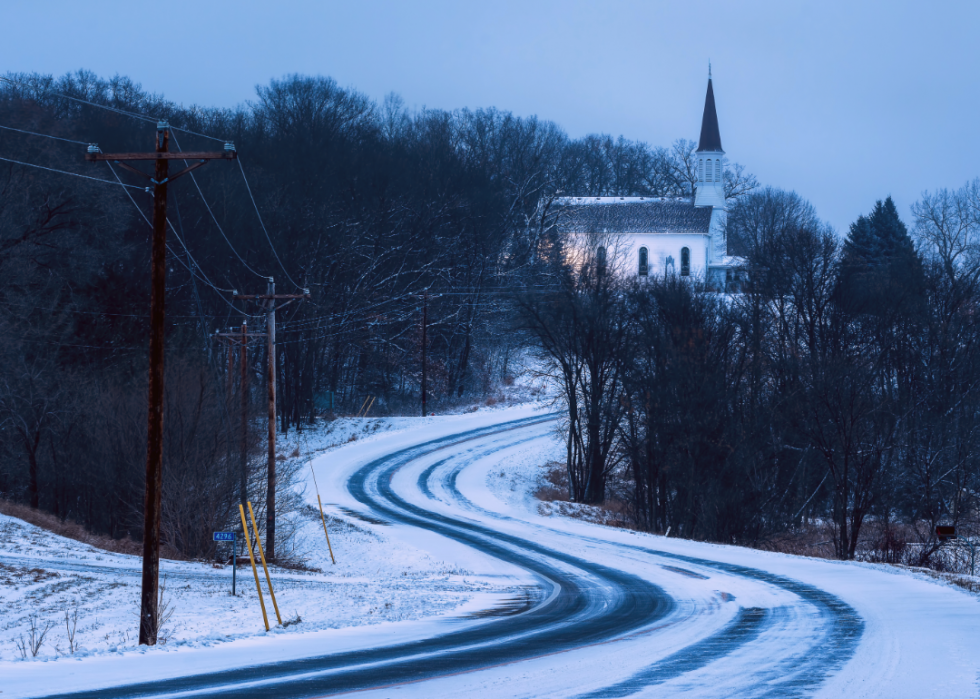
660, 247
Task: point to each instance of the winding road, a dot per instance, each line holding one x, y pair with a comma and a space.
605, 612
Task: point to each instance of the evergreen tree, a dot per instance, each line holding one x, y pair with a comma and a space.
861, 246
880, 260
879, 239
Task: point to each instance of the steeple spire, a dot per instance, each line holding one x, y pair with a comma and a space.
710, 136
710, 190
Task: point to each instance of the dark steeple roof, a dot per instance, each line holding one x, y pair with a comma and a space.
710, 138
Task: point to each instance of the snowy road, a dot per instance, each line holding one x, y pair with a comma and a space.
610, 613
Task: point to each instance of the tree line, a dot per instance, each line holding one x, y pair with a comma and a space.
368, 205
838, 388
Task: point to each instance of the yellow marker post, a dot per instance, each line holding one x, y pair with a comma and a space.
264, 566
368, 408
322, 518
255, 572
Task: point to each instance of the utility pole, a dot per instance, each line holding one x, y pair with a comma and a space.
270, 497
240, 339
229, 376
149, 600
425, 304
243, 399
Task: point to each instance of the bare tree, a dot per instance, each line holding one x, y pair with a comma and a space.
947, 225
582, 329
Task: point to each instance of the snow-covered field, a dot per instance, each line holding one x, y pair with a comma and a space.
379, 576
739, 623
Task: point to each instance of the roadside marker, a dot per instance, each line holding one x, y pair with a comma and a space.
230, 536
251, 557
264, 566
322, 518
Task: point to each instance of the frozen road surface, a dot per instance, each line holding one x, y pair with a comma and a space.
599, 612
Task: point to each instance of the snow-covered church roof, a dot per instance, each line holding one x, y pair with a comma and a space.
619, 215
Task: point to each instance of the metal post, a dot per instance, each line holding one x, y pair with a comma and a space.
154, 433
234, 562
425, 299
270, 500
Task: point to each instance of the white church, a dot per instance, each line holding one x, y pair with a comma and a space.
648, 236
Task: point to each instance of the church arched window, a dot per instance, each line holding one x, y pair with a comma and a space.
644, 262
600, 259
685, 262
701, 169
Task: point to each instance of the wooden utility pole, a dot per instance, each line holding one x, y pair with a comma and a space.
425, 305
270, 333
240, 339
149, 619
230, 375
270, 495
243, 399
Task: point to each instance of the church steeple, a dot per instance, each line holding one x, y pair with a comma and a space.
710, 136
711, 177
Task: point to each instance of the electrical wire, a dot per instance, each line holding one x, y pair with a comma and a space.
79, 99
214, 218
76, 311
202, 135
174, 128
73, 174
116, 110
200, 275
305, 323
177, 257
262, 223
44, 135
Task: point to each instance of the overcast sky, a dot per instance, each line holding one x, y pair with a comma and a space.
844, 102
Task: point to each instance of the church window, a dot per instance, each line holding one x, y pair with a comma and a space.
644, 262
685, 262
600, 259
701, 169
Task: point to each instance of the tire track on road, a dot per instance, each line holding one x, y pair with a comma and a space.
825, 651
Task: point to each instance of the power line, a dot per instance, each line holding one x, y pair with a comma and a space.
79, 99
96, 347
73, 174
120, 183
293, 326
261, 223
75, 311
202, 135
43, 135
220, 230
116, 110
177, 257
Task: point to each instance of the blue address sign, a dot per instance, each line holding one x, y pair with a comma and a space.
224, 536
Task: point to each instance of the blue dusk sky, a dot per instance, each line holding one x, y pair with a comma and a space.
844, 102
